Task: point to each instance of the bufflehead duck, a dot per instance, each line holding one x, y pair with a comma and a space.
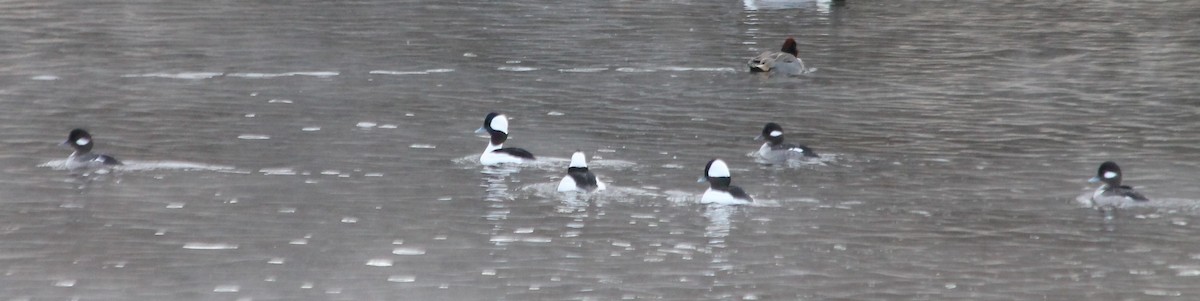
1112, 194
775, 150
786, 61
716, 173
578, 177
496, 125
81, 141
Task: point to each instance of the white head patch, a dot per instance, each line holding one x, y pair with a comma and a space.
578, 160
82, 141
500, 124
776, 133
1110, 175
718, 169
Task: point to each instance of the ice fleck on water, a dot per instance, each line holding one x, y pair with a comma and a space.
388, 126
65, 283
306, 285
408, 251
423, 146
365, 124
488, 272
373, 174
311, 129
402, 278
44, 77
555, 113
279, 101
349, 220
209, 246
299, 241
250, 115
228, 288
253, 137
380, 262
276, 260
175, 205
468, 54
516, 69
287, 210
1162, 293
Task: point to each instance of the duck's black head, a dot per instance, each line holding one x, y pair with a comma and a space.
80, 140
772, 133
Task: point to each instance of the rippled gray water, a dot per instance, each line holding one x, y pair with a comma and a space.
323, 150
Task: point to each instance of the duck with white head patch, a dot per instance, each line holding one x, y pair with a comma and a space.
1112, 194
775, 150
720, 190
81, 141
496, 125
786, 61
578, 177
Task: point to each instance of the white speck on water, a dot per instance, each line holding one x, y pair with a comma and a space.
951, 285
306, 285
287, 210
380, 262
512, 62
311, 129
575, 225
408, 251
253, 137
160, 232
523, 230
445, 198
279, 101
423, 146
44, 77
278, 171
402, 278
469, 54
488, 272
365, 124
299, 241
409, 114
250, 115
330, 172
555, 113
388, 126
276, 260
333, 290
440, 237
1155, 292
373, 174
181, 75
209, 246
634, 70
349, 220
582, 70
398, 242
175, 205
65, 283
228, 288
516, 69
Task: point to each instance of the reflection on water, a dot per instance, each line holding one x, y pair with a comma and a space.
314, 150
